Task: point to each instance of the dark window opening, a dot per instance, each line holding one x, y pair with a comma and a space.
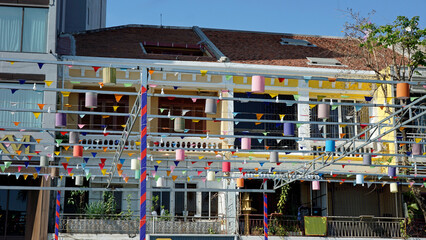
176, 106
174, 49
270, 111
161, 202
106, 103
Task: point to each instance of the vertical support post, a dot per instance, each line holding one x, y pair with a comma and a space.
58, 209
265, 215
144, 101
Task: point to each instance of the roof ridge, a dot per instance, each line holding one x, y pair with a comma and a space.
273, 33
126, 26
203, 28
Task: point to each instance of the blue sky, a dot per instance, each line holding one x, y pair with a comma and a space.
314, 17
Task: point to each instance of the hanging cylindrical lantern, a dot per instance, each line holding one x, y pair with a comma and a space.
137, 174
109, 75
274, 157
288, 129
366, 159
134, 164
226, 167
240, 182
211, 106
74, 137
79, 180
60, 120
179, 124
211, 176
316, 185
391, 171
393, 187
160, 182
323, 111
330, 146
359, 179
54, 172
44, 161
91, 100
77, 151
180, 154
402, 90
246, 143
416, 149
258, 84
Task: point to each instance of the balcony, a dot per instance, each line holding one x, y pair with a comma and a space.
80, 224
207, 144
98, 142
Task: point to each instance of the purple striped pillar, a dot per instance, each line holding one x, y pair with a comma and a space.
58, 208
265, 215
142, 222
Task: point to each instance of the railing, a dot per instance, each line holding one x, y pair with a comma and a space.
98, 142
130, 225
364, 227
321, 147
189, 142
350, 227
277, 225
416, 229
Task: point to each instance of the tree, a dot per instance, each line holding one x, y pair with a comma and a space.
393, 51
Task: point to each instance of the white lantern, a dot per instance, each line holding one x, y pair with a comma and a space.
160, 182
134, 165
393, 188
79, 180
211, 176
359, 179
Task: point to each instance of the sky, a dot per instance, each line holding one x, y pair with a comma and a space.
313, 17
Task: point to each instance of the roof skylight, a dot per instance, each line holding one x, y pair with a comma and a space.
296, 42
324, 62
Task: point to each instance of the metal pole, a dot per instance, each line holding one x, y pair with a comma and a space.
144, 101
58, 208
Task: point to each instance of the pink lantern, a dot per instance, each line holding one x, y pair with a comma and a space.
226, 167
180, 154
77, 151
315, 185
258, 84
246, 143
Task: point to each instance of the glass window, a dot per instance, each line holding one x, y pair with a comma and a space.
160, 201
185, 201
209, 204
23, 29
35, 30
270, 111
20, 99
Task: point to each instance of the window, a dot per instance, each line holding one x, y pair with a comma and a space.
176, 106
20, 99
23, 29
324, 62
270, 111
341, 114
209, 204
161, 201
296, 42
185, 202
173, 48
106, 103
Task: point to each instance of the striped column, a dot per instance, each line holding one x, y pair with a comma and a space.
58, 208
142, 222
265, 215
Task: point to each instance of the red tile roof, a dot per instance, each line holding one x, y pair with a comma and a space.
265, 48
238, 46
124, 42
